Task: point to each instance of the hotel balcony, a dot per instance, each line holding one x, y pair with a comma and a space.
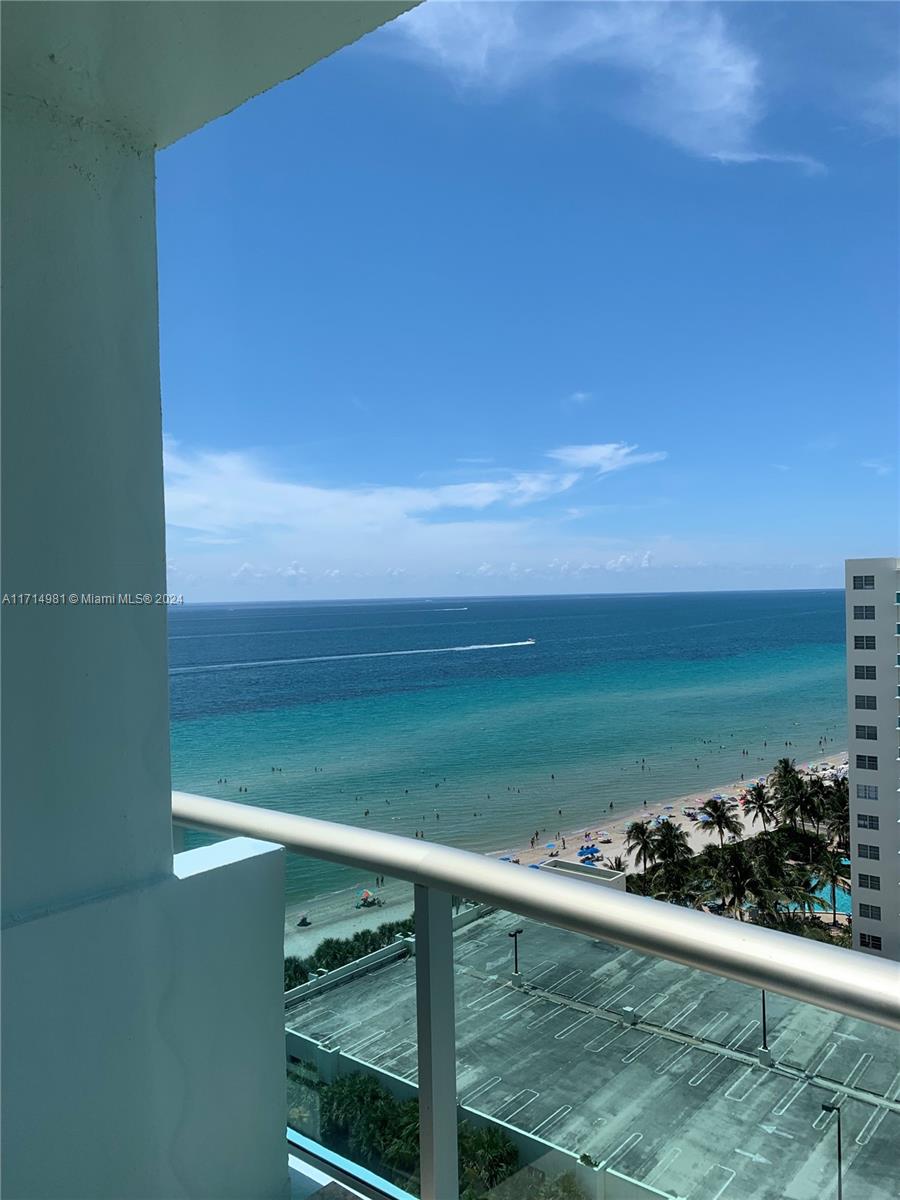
149, 1050
622, 1047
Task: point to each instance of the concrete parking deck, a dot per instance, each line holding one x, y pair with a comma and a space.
646, 1065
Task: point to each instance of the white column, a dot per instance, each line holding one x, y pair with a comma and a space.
85, 714
436, 1030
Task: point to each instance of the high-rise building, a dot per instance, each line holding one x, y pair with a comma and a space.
873, 703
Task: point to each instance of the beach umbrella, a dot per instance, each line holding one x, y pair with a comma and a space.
535, 866
550, 846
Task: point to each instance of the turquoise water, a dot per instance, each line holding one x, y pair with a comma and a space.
844, 902
427, 713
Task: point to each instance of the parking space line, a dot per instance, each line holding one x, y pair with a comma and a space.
343, 1029
702, 1033
520, 1008
714, 1195
639, 1050
623, 1148
871, 1126
610, 1000
662, 1167
716, 1060
790, 1096
532, 1096
748, 1071
559, 982
659, 997
679, 1017
368, 1040
482, 1088
555, 1010
382, 1055
837, 1098
498, 992
552, 1119
564, 1033
394, 1063
743, 1032
603, 1044
592, 986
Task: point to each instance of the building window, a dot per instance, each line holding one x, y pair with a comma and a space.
870, 941
871, 912
868, 702
863, 612
868, 733
864, 641
867, 791
863, 582
867, 762
866, 671
866, 851
866, 821
872, 882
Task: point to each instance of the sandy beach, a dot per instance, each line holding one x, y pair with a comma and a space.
615, 825
334, 914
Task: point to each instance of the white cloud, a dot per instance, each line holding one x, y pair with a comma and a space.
680, 72
604, 457
879, 465
216, 495
235, 524
881, 104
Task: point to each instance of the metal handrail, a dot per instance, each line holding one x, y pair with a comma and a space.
813, 972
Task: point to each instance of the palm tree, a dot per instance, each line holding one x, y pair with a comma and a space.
837, 826
617, 864
672, 845
831, 872
738, 875
837, 812
676, 882
800, 892
721, 816
813, 802
640, 840
758, 804
786, 783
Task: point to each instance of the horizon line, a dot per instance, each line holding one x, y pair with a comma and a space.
357, 600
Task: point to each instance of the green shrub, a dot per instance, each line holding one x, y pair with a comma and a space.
337, 952
361, 1119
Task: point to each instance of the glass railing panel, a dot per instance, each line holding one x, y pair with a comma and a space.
351, 1073
602, 1062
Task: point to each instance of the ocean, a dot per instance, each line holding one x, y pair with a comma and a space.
478, 720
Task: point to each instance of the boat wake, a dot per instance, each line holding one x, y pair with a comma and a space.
285, 662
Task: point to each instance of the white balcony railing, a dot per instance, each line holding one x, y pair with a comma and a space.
812, 972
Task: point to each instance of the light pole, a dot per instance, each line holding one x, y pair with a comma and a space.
836, 1108
515, 937
765, 1036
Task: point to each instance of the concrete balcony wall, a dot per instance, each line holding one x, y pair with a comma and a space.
143, 1038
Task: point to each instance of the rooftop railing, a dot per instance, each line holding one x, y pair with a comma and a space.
830, 977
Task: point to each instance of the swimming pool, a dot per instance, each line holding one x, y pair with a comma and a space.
844, 904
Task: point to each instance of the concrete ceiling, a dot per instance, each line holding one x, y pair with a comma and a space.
158, 69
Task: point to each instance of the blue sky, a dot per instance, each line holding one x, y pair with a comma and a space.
540, 298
